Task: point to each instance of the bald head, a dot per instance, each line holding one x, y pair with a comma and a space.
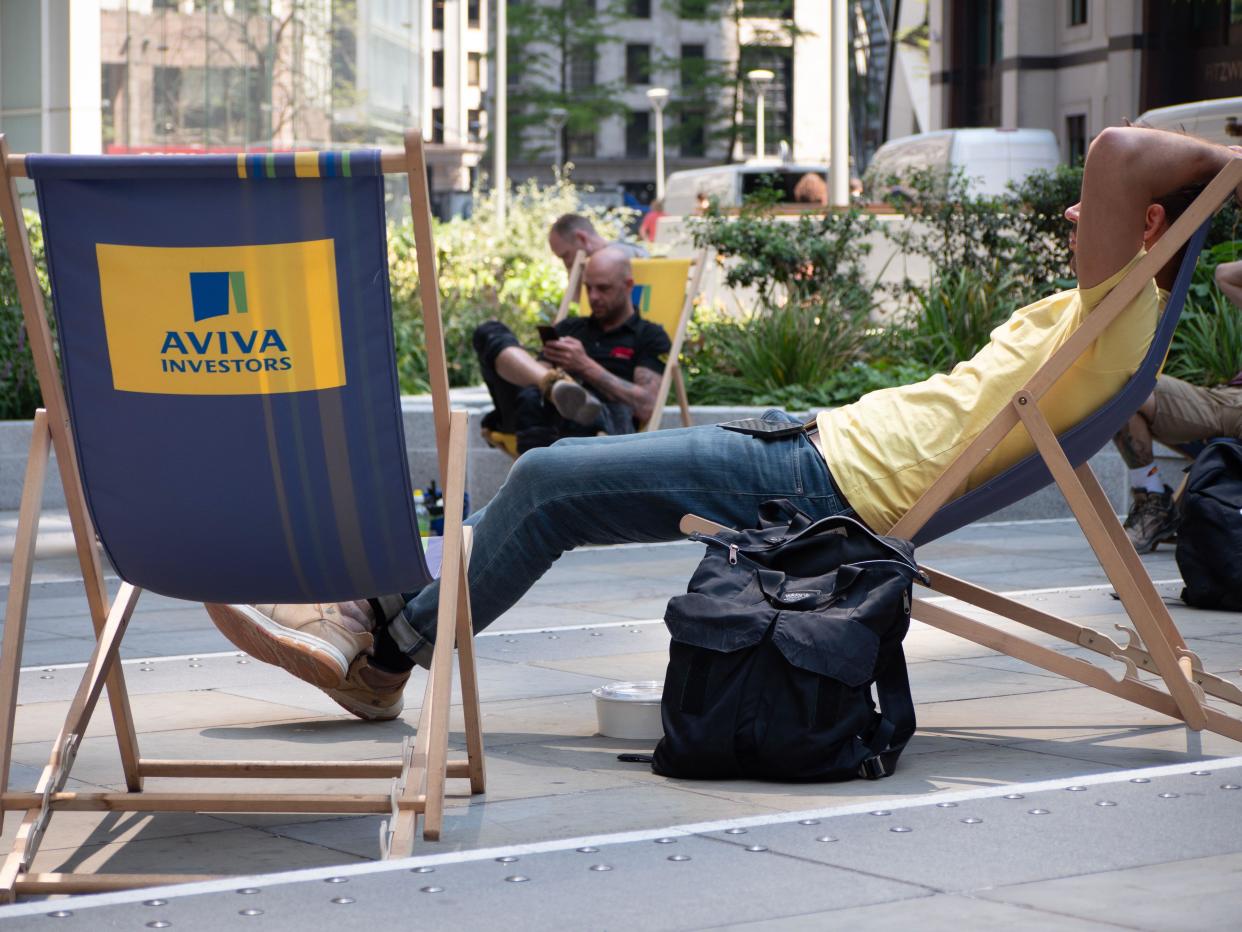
608, 280
573, 232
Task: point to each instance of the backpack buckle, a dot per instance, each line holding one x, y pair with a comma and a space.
873, 769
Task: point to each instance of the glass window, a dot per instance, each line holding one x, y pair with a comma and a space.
437, 68
1077, 12
474, 67
437, 125
580, 144
474, 125
637, 135
639, 9
692, 62
582, 68
472, 14
637, 63
693, 132
437, 14
1076, 137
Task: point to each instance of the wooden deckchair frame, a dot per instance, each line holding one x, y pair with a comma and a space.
672, 376
418, 776
1154, 642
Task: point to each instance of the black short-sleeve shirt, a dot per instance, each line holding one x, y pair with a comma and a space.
636, 342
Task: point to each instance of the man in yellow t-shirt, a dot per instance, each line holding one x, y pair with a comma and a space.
878, 454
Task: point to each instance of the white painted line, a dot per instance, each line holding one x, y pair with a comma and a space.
618, 838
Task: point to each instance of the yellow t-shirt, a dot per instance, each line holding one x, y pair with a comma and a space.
886, 449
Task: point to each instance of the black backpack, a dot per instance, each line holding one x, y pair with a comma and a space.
1209, 538
775, 648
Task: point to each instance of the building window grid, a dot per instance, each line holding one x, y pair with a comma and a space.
472, 14
580, 144
639, 9
474, 125
1078, 10
437, 68
474, 68
582, 69
437, 125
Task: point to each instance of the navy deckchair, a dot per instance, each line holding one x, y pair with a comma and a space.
229, 429
1154, 642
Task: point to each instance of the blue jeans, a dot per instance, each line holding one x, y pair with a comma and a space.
616, 490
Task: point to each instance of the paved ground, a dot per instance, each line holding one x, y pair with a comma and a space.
985, 722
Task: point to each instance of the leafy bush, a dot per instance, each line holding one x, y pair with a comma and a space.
1207, 346
19, 386
957, 311
811, 310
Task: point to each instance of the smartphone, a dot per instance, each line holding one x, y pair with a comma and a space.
547, 334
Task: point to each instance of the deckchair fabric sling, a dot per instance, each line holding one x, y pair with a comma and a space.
229, 425
227, 350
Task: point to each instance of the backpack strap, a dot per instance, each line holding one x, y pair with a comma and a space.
896, 726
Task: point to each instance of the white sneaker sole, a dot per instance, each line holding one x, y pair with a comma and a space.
307, 657
575, 403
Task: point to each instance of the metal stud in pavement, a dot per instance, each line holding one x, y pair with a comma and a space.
155, 902
881, 812
336, 880
516, 878
971, 820
61, 914
946, 805
507, 859
250, 912
601, 867
1038, 811
666, 841
756, 847
1140, 780
587, 850
422, 870
431, 889
679, 857
1106, 802
342, 900
901, 828
1169, 795
735, 831
1014, 796
808, 821
246, 891
825, 838
1076, 789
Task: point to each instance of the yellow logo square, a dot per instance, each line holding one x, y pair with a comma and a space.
222, 320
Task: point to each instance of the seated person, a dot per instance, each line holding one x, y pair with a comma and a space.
573, 232
600, 376
1176, 413
875, 457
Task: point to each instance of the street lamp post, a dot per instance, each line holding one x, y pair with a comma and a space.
557, 118
659, 97
760, 78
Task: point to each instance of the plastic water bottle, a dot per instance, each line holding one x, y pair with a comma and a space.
424, 516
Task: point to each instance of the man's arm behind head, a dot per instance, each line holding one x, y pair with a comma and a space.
1128, 169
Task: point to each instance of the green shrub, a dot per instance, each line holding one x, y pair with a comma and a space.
19, 386
957, 311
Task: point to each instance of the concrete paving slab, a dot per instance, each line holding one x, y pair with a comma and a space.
1195, 895
942, 912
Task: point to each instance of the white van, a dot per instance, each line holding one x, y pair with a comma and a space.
989, 158
730, 185
1218, 121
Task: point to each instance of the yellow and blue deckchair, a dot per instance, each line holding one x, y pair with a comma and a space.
229, 429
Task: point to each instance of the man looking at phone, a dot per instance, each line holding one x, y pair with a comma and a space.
595, 375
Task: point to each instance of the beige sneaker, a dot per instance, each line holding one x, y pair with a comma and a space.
372, 694
315, 643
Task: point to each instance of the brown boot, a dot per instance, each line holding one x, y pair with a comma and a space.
1152, 519
370, 693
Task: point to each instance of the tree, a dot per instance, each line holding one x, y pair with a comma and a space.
711, 100
553, 46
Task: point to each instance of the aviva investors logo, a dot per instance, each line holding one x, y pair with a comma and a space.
212, 295
178, 323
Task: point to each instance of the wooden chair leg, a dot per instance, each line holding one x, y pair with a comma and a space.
475, 762
19, 590
679, 384
60, 762
1141, 602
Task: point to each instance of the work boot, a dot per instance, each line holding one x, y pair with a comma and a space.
571, 400
370, 693
1152, 519
316, 643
